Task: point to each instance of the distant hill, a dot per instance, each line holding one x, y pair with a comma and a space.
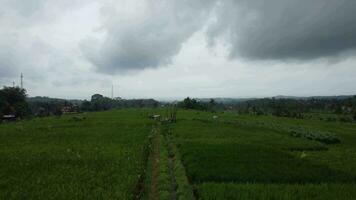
39, 99
49, 99
240, 100
217, 100
226, 100
340, 97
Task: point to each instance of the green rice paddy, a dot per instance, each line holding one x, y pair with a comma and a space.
123, 154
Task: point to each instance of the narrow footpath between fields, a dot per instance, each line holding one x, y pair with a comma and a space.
165, 175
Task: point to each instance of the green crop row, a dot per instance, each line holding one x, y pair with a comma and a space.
295, 131
298, 131
213, 191
164, 179
253, 157
183, 188
99, 157
252, 163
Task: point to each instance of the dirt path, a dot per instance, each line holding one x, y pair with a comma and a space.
173, 184
140, 185
156, 143
161, 181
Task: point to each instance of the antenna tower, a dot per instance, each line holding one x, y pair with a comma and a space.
21, 81
112, 91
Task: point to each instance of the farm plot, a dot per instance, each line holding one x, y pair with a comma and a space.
249, 191
237, 161
93, 156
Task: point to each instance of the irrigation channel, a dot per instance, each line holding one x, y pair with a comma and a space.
164, 177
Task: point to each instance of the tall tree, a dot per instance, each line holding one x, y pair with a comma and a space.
13, 101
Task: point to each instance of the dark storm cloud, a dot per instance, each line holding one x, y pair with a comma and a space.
253, 29
149, 38
148, 34
286, 29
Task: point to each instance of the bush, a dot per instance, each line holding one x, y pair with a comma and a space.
323, 137
42, 112
58, 113
345, 119
78, 118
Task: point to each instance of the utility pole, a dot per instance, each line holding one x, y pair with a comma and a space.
112, 91
21, 81
13, 83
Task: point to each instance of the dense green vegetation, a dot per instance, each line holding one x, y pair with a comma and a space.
13, 102
125, 154
98, 102
44, 106
256, 157
195, 104
301, 107
94, 156
249, 191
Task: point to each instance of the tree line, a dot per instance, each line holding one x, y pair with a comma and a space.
14, 102
99, 103
296, 108
191, 103
286, 107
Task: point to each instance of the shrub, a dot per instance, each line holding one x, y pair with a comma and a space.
58, 113
323, 137
78, 118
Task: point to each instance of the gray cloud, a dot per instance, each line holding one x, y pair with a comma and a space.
253, 29
283, 29
57, 44
26, 40
25, 8
136, 35
147, 39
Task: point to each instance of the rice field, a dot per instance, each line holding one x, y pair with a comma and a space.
90, 156
123, 154
256, 157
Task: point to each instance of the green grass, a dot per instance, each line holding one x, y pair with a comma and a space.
100, 157
104, 156
214, 191
240, 162
183, 189
256, 157
164, 179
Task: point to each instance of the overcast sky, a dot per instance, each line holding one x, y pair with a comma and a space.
170, 49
